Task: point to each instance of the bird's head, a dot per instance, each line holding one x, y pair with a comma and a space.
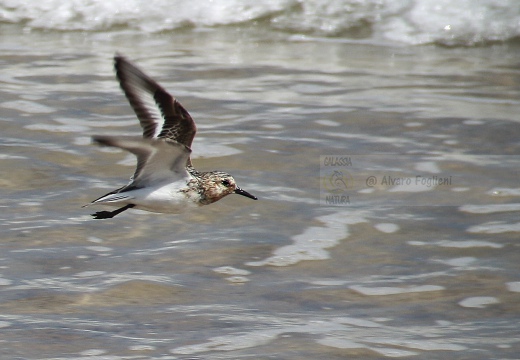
218, 184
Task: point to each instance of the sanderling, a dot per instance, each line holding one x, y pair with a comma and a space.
164, 180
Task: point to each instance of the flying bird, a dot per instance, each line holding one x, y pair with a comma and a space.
164, 180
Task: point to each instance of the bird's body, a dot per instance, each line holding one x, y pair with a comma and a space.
164, 180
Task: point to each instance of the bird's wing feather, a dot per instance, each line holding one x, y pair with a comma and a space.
157, 160
113, 196
160, 114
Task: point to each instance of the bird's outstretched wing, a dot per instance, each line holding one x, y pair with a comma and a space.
160, 114
157, 160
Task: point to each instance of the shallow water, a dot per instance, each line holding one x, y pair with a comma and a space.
396, 269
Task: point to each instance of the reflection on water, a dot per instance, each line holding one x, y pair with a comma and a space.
384, 275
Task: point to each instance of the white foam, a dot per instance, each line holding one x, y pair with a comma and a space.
428, 166
479, 301
30, 203
11, 157
5, 282
57, 128
387, 290
473, 122
513, 286
230, 343
341, 332
92, 273
273, 126
205, 149
398, 345
367, 191
313, 242
141, 347
328, 123
463, 22
459, 262
92, 352
463, 244
328, 282
414, 124
460, 189
392, 352
82, 140
229, 270
494, 227
98, 248
489, 208
340, 343
25, 106
237, 279
431, 345
387, 227
504, 192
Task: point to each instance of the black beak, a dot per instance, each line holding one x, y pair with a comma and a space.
239, 191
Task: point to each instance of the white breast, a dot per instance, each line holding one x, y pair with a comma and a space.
165, 199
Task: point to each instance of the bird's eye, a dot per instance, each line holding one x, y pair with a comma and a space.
225, 183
